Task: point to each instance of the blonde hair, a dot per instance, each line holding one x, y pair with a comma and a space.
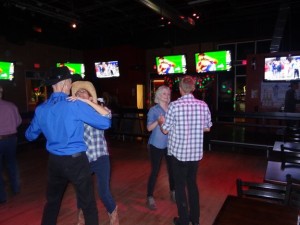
159, 91
187, 84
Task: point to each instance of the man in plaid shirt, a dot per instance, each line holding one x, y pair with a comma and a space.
185, 122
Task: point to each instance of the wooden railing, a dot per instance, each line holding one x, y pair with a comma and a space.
131, 122
128, 122
257, 130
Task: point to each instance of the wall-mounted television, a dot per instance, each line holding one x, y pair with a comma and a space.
282, 68
75, 68
172, 64
214, 61
107, 69
7, 70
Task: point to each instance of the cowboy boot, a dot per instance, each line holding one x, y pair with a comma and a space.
113, 217
80, 217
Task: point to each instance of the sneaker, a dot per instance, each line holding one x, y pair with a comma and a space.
151, 203
172, 196
80, 217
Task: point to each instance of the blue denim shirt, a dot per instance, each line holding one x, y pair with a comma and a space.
62, 123
157, 138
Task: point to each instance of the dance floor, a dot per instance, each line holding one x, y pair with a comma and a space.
130, 168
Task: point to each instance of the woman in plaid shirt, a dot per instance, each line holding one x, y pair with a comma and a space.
97, 152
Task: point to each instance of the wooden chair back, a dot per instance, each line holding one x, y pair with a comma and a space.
276, 193
293, 187
292, 134
290, 157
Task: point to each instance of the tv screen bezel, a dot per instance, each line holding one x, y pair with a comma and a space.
282, 58
10, 76
183, 68
67, 64
211, 56
100, 75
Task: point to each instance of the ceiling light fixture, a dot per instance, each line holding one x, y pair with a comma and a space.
197, 1
74, 25
168, 12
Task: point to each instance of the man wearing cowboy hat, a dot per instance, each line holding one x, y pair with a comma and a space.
62, 123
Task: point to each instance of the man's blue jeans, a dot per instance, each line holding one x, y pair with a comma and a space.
8, 158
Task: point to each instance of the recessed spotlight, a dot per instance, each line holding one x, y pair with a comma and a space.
74, 25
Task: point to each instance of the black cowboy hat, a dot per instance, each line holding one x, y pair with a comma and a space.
76, 77
57, 74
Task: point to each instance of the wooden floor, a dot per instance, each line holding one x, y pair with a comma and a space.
130, 168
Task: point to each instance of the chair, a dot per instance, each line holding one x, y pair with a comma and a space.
293, 190
291, 134
290, 157
265, 191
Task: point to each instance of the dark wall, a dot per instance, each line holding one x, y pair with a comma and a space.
25, 55
122, 89
135, 66
132, 72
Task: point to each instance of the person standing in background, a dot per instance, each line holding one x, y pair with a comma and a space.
10, 120
97, 152
291, 101
185, 122
158, 144
62, 123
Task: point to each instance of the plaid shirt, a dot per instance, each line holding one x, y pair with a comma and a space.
185, 120
96, 142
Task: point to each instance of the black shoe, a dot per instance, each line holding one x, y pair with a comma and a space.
175, 221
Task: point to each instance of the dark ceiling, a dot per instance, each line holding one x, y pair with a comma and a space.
103, 23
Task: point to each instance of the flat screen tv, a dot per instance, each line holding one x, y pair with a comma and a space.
75, 68
107, 69
172, 64
7, 70
282, 68
215, 61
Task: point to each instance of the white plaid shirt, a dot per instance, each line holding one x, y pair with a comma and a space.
96, 142
185, 120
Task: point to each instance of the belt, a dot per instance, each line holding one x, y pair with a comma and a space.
76, 154
3, 137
